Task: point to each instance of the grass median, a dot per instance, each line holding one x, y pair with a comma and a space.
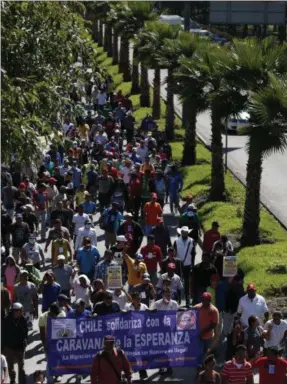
264, 264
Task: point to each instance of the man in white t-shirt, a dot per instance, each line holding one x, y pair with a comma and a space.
165, 304
136, 304
142, 151
121, 297
275, 330
79, 220
252, 304
102, 98
101, 137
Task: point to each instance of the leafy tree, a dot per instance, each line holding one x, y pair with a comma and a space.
40, 43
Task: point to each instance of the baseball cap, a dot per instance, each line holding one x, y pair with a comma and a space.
129, 214
63, 297
110, 338
61, 257
52, 180
154, 196
121, 238
206, 295
146, 276
251, 287
24, 272
171, 265
19, 216
139, 256
17, 306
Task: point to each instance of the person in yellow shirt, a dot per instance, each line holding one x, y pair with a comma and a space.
61, 246
81, 194
84, 130
147, 166
136, 269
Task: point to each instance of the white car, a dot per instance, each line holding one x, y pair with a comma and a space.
236, 122
171, 19
201, 32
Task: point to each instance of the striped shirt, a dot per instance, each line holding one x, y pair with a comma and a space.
234, 375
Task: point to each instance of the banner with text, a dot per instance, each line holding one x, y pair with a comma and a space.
149, 339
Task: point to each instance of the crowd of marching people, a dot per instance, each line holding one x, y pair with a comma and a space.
112, 173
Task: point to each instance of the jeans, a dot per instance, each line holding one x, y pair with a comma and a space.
10, 212
148, 229
41, 216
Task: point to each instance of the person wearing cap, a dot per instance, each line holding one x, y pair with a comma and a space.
30, 218
175, 282
183, 246
60, 246
64, 303
152, 258
145, 289
111, 220
208, 320
166, 303
50, 290
63, 273
252, 304
14, 339
191, 220
174, 187
161, 236
87, 257
20, 236
171, 259
275, 331
86, 231
102, 371
238, 370
133, 233
271, 368
101, 270
152, 210
41, 204
136, 269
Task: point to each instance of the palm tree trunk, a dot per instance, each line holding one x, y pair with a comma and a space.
184, 116
95, 27
124, 66
217, 190
135, 74
251, 219
156, 107
101, 33
109, 40
115, 47
105, 38
169, 120
189, 149
144, 97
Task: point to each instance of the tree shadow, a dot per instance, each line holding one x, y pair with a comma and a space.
231, 149
34, 351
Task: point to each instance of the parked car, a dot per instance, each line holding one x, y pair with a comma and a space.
236, 122
201, 32
172, 19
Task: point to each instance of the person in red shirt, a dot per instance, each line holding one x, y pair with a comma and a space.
112, 171
134, 192
238, 370
272, 368
210, 237
110, 125
152, 211
152, 257
109, 364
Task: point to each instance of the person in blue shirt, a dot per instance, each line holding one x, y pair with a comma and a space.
175, 185
112, 219
134, 157
79, 311
50, 290
148, 124
88, 205
77, 175
87, 257
120, 112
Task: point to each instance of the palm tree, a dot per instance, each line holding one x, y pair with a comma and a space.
148, 43
267, 135
194, 101
168, 55
112, 18
100, 9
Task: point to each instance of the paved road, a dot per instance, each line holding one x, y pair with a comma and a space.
35, 359
274, 177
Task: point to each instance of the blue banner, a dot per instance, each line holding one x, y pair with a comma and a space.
149, 339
